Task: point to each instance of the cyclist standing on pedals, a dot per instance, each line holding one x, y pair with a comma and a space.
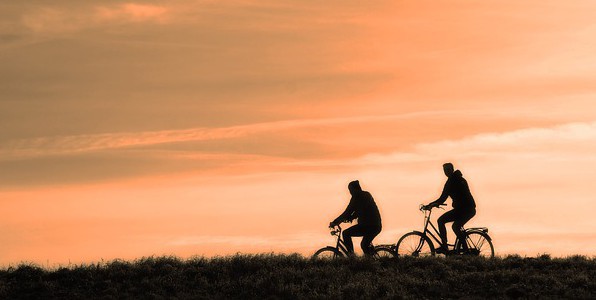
362, 206
464, 207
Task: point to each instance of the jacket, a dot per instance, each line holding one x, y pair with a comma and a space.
362, 206
457, 188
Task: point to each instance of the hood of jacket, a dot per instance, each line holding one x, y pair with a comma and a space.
457, 173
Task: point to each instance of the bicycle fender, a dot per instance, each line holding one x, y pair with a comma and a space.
485, 233
477, 229
329, 248
416, 231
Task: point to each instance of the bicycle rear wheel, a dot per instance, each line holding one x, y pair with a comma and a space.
479, 244
327, 253
383, 251
414, 244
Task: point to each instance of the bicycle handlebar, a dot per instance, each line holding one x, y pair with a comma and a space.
429, 207
335, 230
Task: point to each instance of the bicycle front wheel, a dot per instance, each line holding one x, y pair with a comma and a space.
479, 244
414, 244
327, 253
383, 251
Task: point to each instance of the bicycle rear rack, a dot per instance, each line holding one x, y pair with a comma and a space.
483, 229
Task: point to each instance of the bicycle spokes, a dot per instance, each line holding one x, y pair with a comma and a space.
477, 244
413, 244
421, 243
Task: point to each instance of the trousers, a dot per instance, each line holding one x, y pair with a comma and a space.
368, 234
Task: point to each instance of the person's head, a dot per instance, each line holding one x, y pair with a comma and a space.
448, 169
354, 187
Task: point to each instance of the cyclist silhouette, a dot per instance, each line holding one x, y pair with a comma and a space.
362, 206
464, 207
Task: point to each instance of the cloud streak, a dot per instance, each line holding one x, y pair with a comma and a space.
573, 137
132, 12
564, 137
58, 20
280, 242
96, 142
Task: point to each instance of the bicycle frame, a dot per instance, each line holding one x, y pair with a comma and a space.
434, 234
340, 244
471, 243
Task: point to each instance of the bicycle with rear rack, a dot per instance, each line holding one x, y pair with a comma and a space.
422, 243
340, 249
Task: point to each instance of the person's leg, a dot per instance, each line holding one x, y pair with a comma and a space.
447, 217
367, 239
356, 230
460, 220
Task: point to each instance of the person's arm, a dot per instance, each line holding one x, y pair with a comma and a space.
443, 196
346, 215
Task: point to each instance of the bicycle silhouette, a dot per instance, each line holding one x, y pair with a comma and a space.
419, 243
340, 250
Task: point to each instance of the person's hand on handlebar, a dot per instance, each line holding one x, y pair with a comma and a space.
333, 223
431, 206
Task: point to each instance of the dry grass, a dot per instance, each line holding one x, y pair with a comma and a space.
294, 276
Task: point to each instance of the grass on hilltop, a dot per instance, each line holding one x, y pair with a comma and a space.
294, 276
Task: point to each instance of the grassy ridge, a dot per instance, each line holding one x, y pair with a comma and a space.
293, 276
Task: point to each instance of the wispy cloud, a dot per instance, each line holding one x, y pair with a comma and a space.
58, 20
571, 138
51, 20
244, 241
95, 142
565, 136
132, 12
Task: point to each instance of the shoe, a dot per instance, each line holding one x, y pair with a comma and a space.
442, 250
472, 252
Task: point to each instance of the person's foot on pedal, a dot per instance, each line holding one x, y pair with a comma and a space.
442, 250
472, 252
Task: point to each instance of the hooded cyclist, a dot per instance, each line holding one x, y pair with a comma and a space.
464, 206
362, 206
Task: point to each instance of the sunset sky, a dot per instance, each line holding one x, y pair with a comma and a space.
132, 129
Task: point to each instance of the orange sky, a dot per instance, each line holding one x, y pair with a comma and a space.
209, 128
